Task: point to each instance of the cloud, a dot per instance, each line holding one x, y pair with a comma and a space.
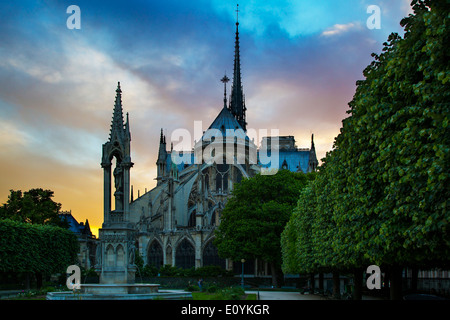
406, 6
43, 73
11, 136
338, 29
301, 18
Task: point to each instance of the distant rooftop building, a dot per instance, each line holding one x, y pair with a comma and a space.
79, 228
87, 240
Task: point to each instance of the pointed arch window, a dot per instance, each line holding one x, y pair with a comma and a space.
222, 177
191, 222
185, 255
155, 254
120, 256
110, 256
211, 256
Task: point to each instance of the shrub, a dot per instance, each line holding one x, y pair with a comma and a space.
149, 271
36, 248
212, 289
232, 293
170, 271
210, 271
192, 287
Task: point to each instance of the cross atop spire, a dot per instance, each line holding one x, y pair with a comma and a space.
225, 80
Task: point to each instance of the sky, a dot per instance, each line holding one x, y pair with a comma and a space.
299, 62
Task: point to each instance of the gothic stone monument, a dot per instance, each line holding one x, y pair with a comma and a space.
115, 253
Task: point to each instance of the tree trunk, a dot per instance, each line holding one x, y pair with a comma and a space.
387, 282
313, 283
274, 275
299, 282
358, 282
414, 276
396, 283
321, 282
336, 285
27, 281
38, 280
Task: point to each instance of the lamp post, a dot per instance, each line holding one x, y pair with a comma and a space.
242, 278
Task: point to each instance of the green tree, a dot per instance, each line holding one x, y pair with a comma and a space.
396, 146
383, 189
256, 214
33, 206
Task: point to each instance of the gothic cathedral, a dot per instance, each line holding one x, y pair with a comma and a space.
174, 222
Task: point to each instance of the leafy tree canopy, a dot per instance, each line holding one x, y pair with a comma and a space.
381, 195
256, 214
34, 206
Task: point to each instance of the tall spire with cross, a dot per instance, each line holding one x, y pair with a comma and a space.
237, 102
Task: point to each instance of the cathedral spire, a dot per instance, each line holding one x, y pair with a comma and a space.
237, 103
161, 162
312, 163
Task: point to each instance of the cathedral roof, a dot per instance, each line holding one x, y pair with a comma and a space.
227, 124
225, 120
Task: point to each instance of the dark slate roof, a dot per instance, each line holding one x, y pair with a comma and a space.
295, 160
226, 121
74, 225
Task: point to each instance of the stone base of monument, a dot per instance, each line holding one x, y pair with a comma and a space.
138, 291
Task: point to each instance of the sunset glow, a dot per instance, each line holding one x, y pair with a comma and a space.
300, 61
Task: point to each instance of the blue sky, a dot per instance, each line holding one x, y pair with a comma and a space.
300, 61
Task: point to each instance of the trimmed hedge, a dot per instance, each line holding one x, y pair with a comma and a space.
36, 248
